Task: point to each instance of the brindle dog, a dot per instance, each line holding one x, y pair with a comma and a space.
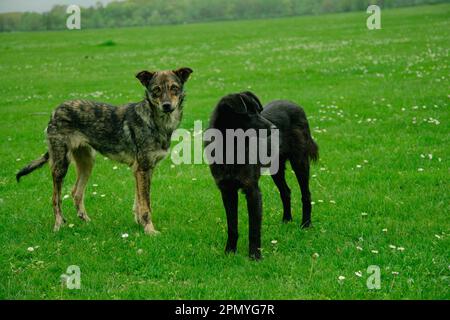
137, 134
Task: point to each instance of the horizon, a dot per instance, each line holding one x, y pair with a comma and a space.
8, 6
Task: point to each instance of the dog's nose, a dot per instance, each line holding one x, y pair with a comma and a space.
167, 107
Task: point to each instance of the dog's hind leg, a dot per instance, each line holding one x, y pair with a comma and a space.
230, 202
300, 165
59, 166
285, 193
84, 161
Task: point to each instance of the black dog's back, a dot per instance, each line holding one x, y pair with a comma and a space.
295, 134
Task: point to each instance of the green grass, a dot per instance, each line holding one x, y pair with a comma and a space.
343, 75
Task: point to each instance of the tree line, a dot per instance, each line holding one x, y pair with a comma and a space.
158, 12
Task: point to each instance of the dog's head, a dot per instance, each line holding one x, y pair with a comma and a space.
242, 111
165, 89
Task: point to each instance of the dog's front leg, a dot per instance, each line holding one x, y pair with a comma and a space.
230, 202
136, 205
254, 206
143, 178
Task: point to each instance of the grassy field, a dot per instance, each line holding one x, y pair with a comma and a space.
378, 104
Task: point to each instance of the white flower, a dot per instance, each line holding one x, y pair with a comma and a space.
341, 278
359, 248
364, 214
437, 236
401, 249
115, 168
320, 201
420, 169
332, 201
71, 225
95, 185
66, 197
103, 195
384, 230
94, 193
395, 273
358, 274
315, 255
374, 251
140, 251
125, 235
30, 249
274, 242
194, 179
392, 246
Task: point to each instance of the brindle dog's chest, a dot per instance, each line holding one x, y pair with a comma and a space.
160, 147
155, 147
141, 145
156, 156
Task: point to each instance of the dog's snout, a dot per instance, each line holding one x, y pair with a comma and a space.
167, 107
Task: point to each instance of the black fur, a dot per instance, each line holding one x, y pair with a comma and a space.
244, 111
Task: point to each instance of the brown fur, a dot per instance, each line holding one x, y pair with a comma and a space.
137, 134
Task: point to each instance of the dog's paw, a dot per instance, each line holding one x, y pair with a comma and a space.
83, 216
287, 219
306, 225
150, 230
230, 250
255, 256
58, 223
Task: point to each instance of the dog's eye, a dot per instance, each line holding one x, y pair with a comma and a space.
156, 91
174, 89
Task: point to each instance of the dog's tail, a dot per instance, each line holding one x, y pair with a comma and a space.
313, 150
36, 164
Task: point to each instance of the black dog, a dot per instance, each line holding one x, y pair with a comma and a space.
244, 111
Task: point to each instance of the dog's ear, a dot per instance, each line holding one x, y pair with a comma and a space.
183, 74
145, 77
236, 103
253, 97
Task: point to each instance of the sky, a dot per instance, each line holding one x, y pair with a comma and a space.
42, 5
